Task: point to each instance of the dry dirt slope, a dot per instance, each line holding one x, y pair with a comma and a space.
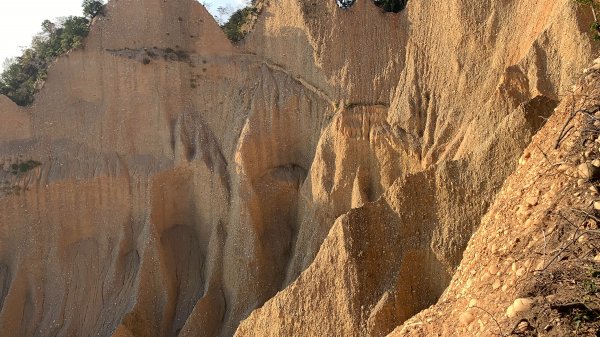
533, 266
174, 197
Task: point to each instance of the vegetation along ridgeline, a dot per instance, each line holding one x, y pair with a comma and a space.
23, 76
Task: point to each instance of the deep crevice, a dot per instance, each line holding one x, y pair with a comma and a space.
394, 6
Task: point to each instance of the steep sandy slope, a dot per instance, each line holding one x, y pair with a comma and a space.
16, 124
470, 95
408, 109
532, 267
168, 183
155, 137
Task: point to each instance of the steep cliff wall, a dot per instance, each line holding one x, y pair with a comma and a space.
333, 164
531, 268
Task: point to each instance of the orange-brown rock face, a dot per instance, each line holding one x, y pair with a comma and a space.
16, 123
534, 259
322, 177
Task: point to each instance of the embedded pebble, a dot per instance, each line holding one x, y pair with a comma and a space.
466, 318
510, 312
522, 304
588, 170
469, 283
531, 201
523, 327
540, 265
524, 158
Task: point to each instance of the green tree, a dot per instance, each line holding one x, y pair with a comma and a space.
25, 75
237, 26
394, 6
92, 8
233, 28
48, 27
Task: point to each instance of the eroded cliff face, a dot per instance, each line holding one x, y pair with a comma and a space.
16, 123
531, 268
329, 170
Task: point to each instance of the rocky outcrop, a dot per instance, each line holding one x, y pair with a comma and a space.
531, 267
333, 164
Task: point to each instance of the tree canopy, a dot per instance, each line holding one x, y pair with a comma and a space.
345, 3
240, 21
92, 8
23, 76
394, 6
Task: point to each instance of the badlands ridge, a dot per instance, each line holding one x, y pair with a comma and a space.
323, 177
